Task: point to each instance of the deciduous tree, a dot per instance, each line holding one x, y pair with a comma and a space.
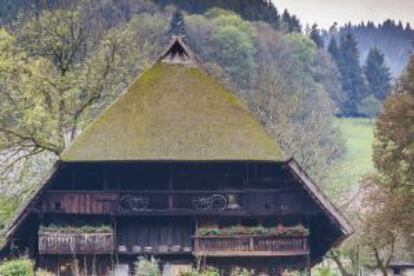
394, 147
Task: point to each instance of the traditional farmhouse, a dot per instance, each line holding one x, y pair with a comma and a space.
178, 169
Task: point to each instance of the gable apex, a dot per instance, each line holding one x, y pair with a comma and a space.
178, 53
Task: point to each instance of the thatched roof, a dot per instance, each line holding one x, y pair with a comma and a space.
174, 111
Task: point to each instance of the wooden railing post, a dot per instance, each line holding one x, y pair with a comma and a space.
251, 247
196, 244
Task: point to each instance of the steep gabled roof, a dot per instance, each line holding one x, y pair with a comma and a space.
174, 111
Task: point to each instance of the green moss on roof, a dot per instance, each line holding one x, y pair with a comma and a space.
174, 112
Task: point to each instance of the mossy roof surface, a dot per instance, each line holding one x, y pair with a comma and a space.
174, 112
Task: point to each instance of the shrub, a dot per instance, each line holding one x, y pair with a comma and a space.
289, 272
41, 272
323, 271
147, 267
17, 267
208, 271
238, 271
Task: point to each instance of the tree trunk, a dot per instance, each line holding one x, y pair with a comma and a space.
340, 265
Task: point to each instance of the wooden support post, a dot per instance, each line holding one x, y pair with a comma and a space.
170, 188
115, 234
105, 180
280, 270
308, 265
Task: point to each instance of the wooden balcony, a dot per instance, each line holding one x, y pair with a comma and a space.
249, 202
76, 243
244, 245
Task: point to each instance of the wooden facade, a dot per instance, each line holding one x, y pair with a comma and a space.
242, 206
246, 202
166, 219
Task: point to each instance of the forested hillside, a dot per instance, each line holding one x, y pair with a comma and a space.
247, 9
394, 39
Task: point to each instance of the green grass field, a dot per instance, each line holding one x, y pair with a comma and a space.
357, 159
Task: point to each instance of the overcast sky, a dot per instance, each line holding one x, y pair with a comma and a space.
325, 12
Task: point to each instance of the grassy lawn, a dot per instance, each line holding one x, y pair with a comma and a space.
356, 162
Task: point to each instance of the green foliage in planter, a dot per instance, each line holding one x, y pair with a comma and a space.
209, 232
85, 229
292, 230
259, 230
234, 230
298, 230
18, 267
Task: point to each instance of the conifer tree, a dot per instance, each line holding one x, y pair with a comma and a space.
377, 74
352, 78
333, 49
292, 22
177, 24
333, 30
315, 35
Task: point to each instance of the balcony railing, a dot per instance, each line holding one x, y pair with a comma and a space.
131, 202
250, 245
76, 243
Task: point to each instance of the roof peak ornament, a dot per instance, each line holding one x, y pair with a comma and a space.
179, 53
